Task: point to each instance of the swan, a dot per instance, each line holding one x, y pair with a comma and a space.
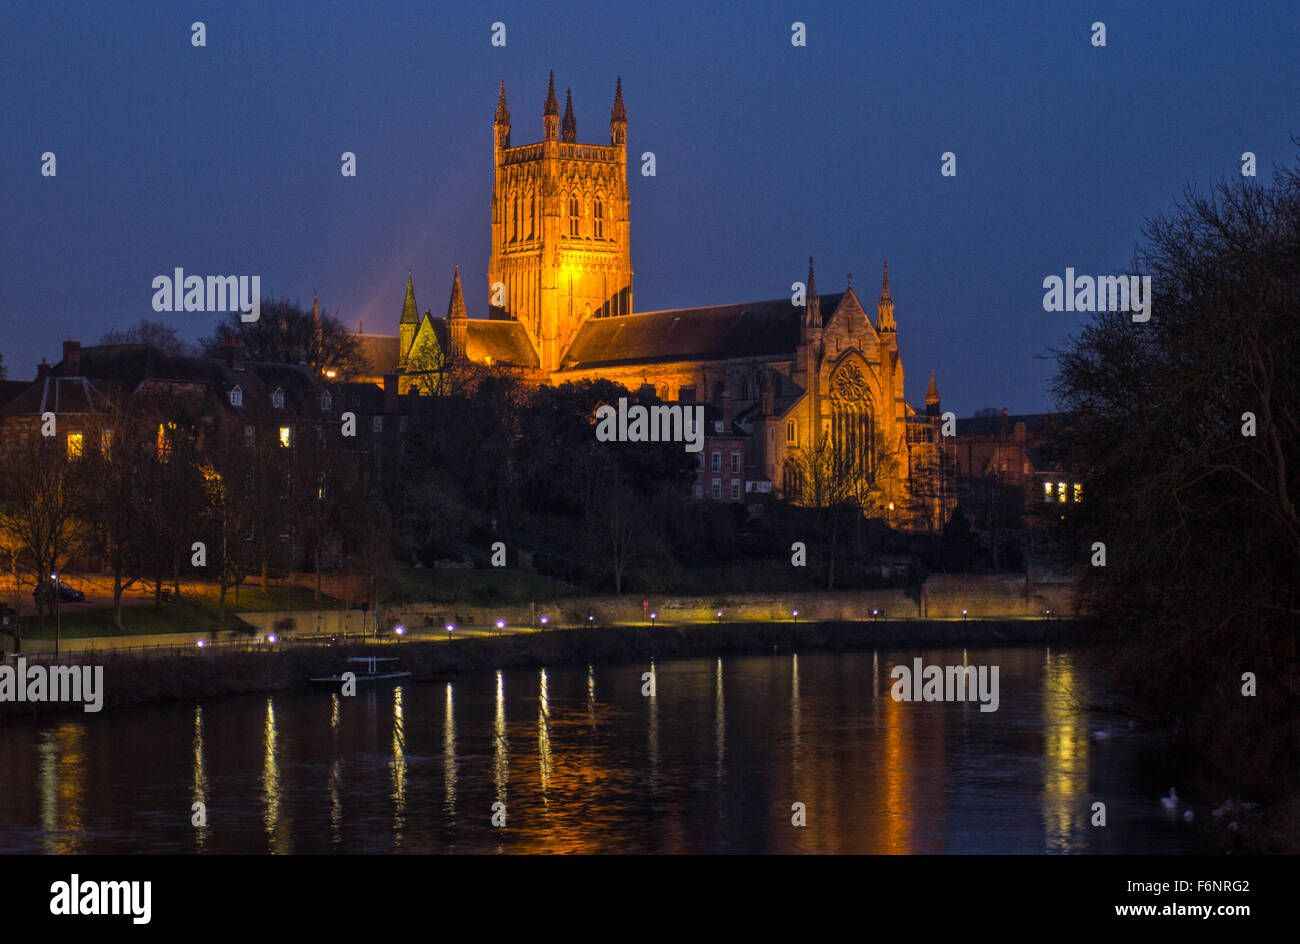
1170, 802
1101, 734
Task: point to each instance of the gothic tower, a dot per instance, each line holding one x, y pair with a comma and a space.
560, 237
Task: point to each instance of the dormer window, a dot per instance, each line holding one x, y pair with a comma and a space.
237, 396
326, 403
277, 399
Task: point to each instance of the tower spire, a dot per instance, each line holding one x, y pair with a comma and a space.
569, 129
457, 327
502, 121
551, 111
456, 307
410, 314
618, 116
932, 397
885, 307
812, 305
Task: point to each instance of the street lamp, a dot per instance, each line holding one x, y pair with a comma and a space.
963, 614
501, 624
545, 619
451, 628
400, 630
719, 616
794, 615
58, 615
652, 619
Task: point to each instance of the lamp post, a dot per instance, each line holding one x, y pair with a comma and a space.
501, 625
451, 628
58, 616
652, 619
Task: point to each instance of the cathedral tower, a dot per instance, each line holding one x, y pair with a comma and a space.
560, 236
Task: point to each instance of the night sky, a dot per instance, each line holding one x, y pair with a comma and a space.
225, 159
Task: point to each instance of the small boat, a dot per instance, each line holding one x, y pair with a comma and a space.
367, 670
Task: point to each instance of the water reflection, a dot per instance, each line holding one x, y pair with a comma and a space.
200, 793
1065, 757
398, 767
449, 755
62, 787
715, 765
277, 832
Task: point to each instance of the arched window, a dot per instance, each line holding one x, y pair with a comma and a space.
790, 434
573, 216
514, 218
326, 403
277, 399
851, 421
598, 219
532, 215
791, 482
236, 396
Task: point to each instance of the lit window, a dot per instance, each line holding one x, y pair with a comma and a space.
236, 396
166, 435
378, 424
735, 463
717, 463
573, 216
1060, 491
74, 445
250, 435
1047, 491
598, 222
790, 433
1078, 492
320, 488
106, 444
277, 399
284, 436
326, 403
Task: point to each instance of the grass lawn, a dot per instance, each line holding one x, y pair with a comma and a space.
195, 611
493, 585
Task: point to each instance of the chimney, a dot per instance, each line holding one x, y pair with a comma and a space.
232, 352
42, 370
390, 393
71, 357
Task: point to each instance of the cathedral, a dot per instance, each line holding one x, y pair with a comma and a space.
813, 390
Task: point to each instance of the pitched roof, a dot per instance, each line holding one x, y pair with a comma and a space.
718, 332
381, 350
506, 342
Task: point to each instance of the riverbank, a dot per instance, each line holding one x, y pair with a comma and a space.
204, 673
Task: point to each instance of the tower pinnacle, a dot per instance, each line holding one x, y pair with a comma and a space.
569, 128
551, 111
502, 122
885, 307
618, 117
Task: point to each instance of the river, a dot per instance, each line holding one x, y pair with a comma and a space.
580, 760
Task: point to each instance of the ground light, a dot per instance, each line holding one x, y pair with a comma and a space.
545, 620
400, 630
272, 637
201, 644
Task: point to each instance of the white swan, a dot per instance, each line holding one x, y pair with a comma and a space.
1170, 802
1101, 734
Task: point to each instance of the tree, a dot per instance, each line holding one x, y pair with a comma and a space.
40, 509
285, 334
1188, 430
154, 333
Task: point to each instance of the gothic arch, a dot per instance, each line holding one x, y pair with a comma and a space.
852, 414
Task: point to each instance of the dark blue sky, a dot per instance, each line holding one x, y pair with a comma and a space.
225, 160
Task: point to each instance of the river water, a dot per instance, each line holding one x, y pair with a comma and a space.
582, 761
